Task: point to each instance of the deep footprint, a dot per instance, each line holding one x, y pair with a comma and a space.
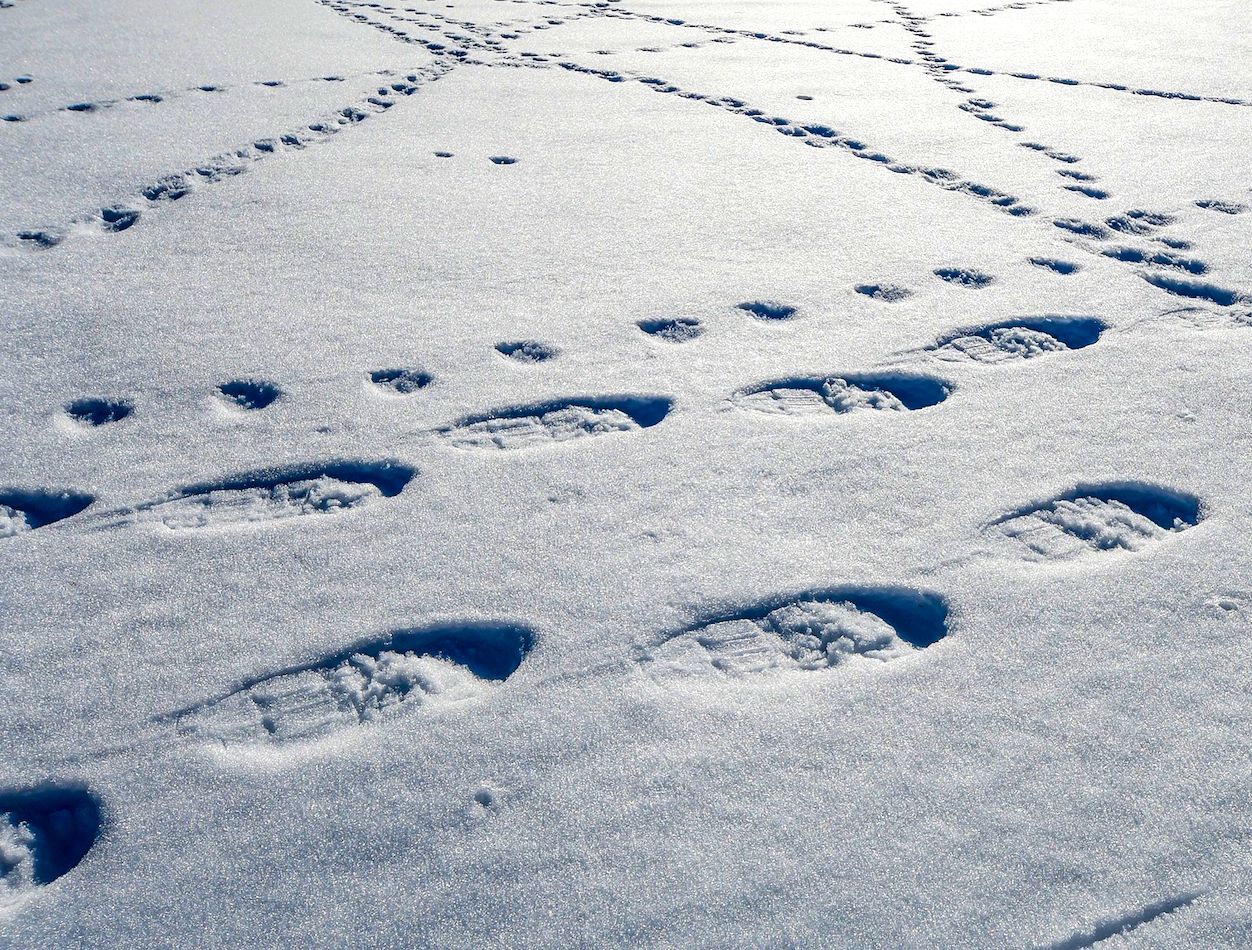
98, 412
1023, 339
248, 395
277, 495
817, 395
813, 632
1054, 265
45, 832
676, 330
23, 510
517, 427
1119, 516
366, 683
887, 293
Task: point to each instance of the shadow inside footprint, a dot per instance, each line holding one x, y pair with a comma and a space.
98, 412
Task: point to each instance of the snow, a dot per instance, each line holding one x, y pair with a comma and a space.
573, 477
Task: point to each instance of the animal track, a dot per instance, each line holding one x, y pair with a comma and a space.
517, 427
503, 160
965, 278
45, 832
767, 309
1124, 516
888, 293
1054, 265
364, 684
675, 330
1133, 255
1020, 339
23, 510
401, 382
248, 395
844, 393
98, 412
528, 351
813, 632
276, 495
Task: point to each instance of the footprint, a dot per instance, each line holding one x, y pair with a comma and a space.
367, 683
1225, 207
1194, 289
276, 495
888, 293
401, 382
1054, 265
965, 278
812, 632
1133, 255
1126, 516
767, 309
503, 160
45, 832
805, 396
675, 330
98, 412
1021, 339
248, 394
527, 351
517, 427
23, 510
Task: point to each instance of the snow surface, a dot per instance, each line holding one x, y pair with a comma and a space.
644, 473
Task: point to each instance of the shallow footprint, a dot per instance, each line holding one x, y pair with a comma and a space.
516, 427
1020, 339
1127, 516
276, 495
430, 666
817, 395
673, 330
964, 278
401, 382
527, 351
45, 832
813, 632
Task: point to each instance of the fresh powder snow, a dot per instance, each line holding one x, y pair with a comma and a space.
626, 473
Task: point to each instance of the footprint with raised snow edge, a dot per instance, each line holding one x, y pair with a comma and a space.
825, 395
1021, 338
25, 509
811, 632
248, 395
527, 351
45, 832
1112, 516
672, 329
517, 427
429, 666
91, 412
400, 382
269, 495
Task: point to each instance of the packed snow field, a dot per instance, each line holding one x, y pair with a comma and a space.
640, 473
